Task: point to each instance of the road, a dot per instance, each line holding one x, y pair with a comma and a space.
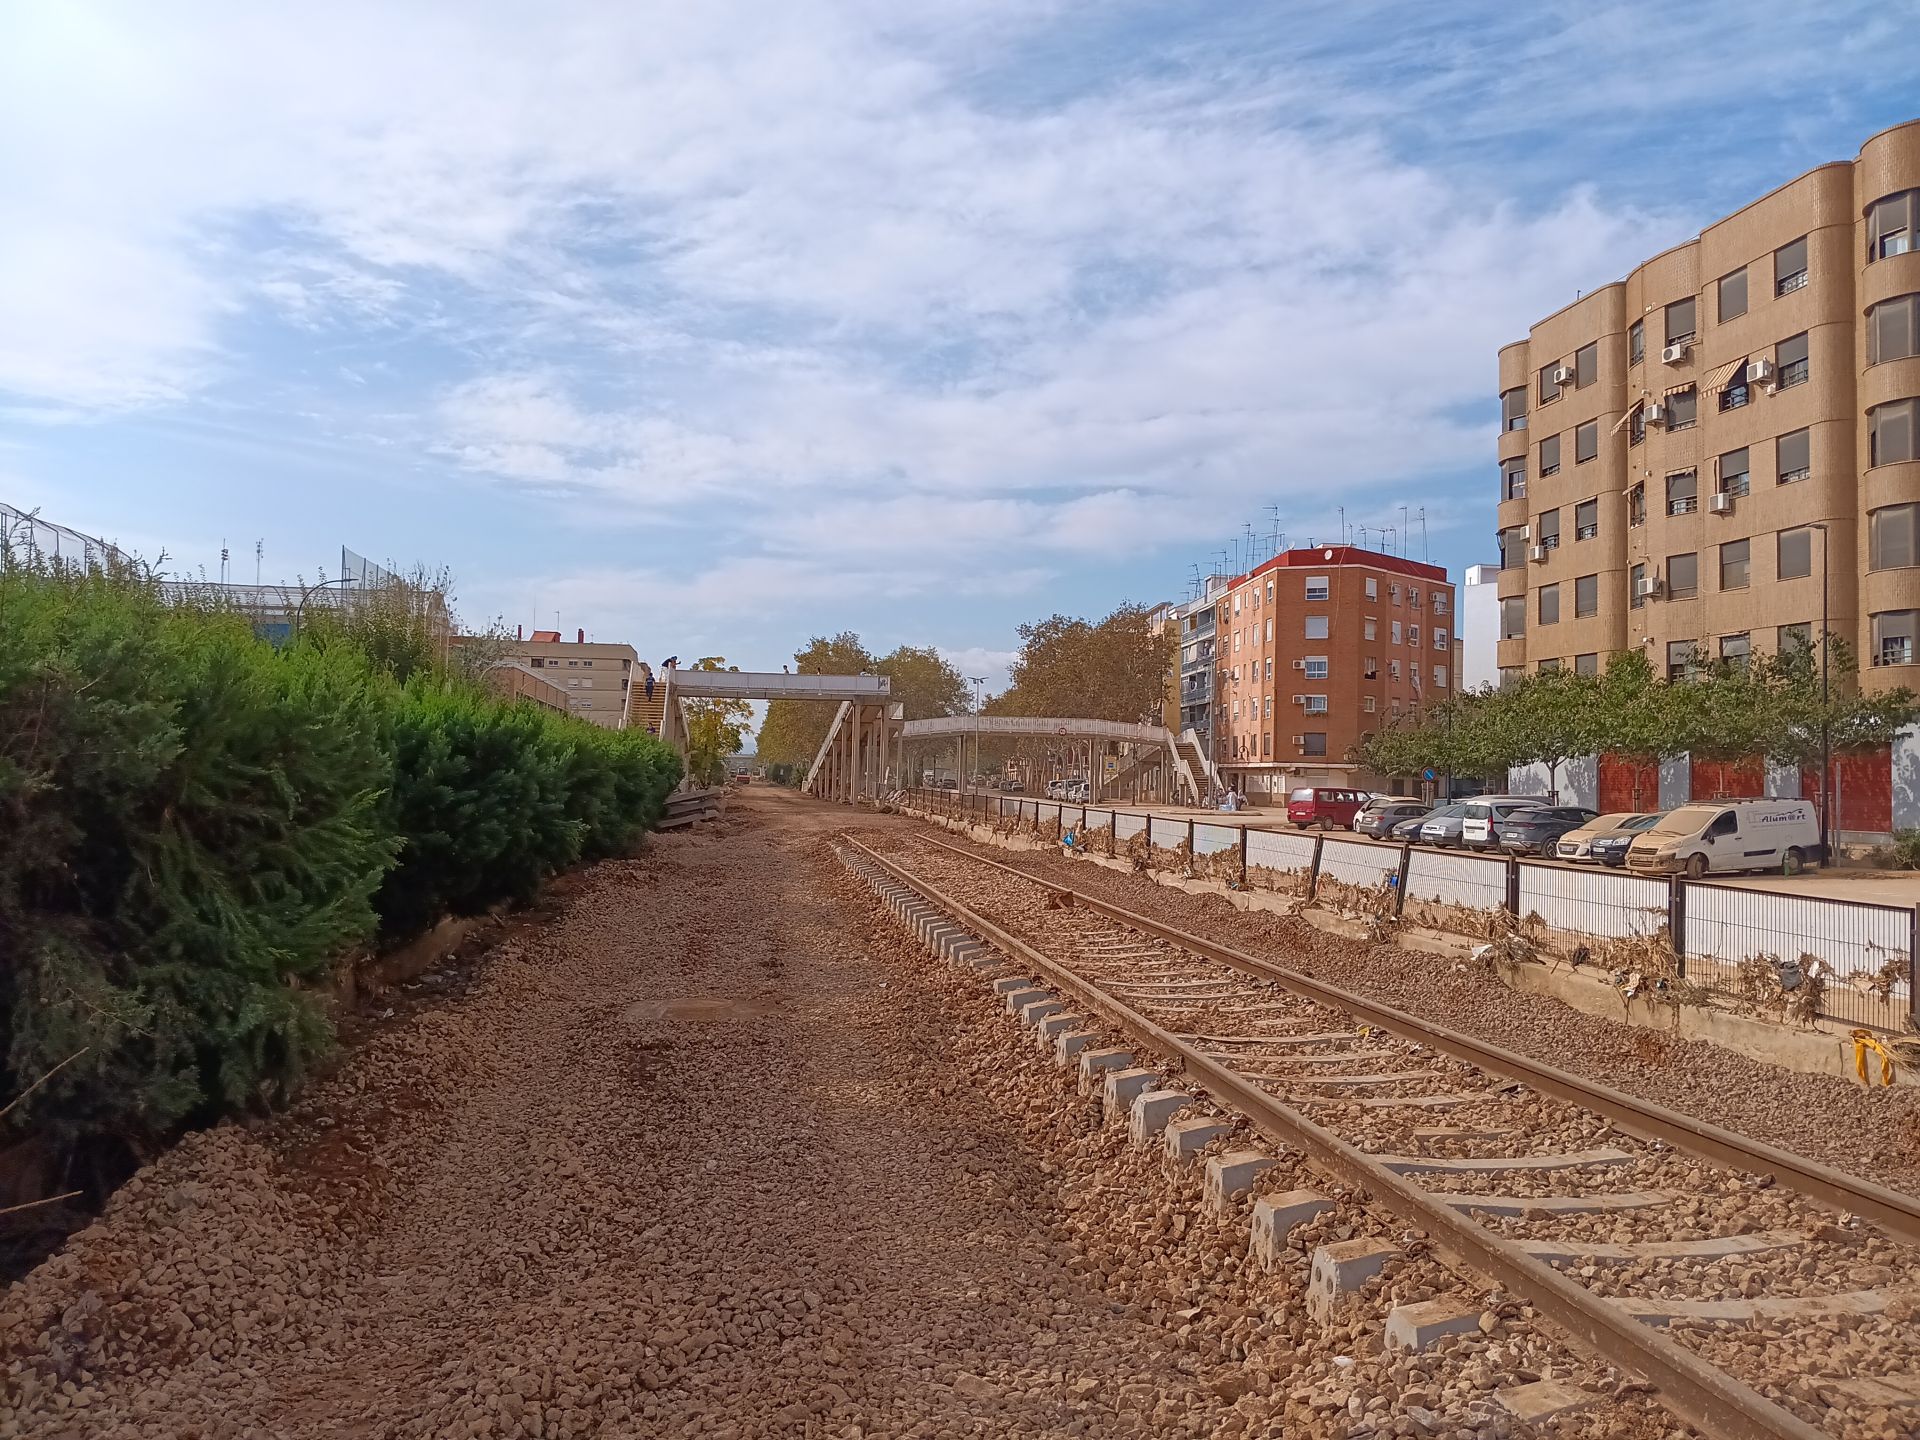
648, 1169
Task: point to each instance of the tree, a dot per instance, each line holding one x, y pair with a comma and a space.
1848, 721
792, 732
1548, 719
1111, 669
924, 683
715, 729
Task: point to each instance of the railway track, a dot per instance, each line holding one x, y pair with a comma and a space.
1759, 1293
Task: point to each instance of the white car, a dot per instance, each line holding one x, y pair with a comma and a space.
1482, 817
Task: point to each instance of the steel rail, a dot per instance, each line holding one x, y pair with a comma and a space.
1707, 1398
1896, 1213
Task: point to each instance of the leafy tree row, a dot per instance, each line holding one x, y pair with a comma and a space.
924, 683
197, 828
1770, 708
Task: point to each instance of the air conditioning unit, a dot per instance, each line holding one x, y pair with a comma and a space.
1299, 699
1299, 664
1537, 554
1656, 413
1758, 370
1563, 374
1720, 504
1299, 741
1647, 587
1674, 354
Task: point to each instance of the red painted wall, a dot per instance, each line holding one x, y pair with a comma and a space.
1729, 780
1615, 785
1865, 786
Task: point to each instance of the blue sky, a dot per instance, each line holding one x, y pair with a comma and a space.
713, 327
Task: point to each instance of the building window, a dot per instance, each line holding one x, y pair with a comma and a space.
1269, 592
1269, 667
1440, 606
1373, 588
1733, 295
1268, 707
1513, 617
1393, 594
1735, 395
1733, 564
1680, 325
1893, 636
1794, 557
1890, 432
1586, 365
1548, 667
1893, 329
1236, 603
1635, 600
1796, 636
1314, 742
1683, 576
1413, 634
1439, 639
1586, 442
1413, 598
1549, 604
1550, 456
1586, 596
1732, 469
1550, 528
1266, 745
1396, 632
1736, 650
1680, 659
1791, 356
1636, 425
1586, 519
1683, 409
1513, 549
1370, 667
1269, 630
1683, 492
1316, 667
1513, 408
1892, 536
1316, 705
1393, 669
1637, 505
1637, 342
1549, 390
1790, 267
1792, 457
1439, 677
1587, 664
1316, 627
1367, 704
1317, 587
1370, 630
1890, 225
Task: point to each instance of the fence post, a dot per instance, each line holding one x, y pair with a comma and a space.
1243, 863
1113, 833
1913, 972
1400, 885
1191, 850
1677, 924
1313, 868
1513, 887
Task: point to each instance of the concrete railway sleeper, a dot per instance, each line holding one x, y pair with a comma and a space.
1442, 1143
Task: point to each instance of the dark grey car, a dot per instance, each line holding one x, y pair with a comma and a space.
1438, 827
1378, 824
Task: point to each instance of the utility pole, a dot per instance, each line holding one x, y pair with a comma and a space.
976, 681
1826, 738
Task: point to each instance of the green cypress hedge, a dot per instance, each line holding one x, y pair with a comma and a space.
197, 827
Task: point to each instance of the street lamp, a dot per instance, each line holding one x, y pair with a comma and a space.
1826, 738
976, 681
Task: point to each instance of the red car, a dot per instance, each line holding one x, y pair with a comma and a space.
1327, 809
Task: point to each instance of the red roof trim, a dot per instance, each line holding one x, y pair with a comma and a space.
1341, 555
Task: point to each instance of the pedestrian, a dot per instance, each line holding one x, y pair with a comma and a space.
646, 678
670, 663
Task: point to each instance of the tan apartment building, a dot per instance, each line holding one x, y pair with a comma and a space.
1314, 649
594, 675
1689, 454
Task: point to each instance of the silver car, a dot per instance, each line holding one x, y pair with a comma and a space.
1442, 827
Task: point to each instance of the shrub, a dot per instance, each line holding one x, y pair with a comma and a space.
189, 829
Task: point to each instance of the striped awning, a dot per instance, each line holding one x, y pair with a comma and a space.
1627, 419
1673, 390
1722, 377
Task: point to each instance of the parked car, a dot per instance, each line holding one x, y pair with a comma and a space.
1577, 845
1611, 850
1439, 827
1326, 808
1486, 813
1728, 837
1537, 831
1379, 822
1013, 787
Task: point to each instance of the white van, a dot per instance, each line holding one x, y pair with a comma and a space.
1482, 817
1727, 836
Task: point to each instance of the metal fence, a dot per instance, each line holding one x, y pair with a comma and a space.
1871, 952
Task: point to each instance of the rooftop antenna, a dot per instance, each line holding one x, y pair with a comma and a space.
223, 559
259, 549
1343, 524
1248, 527
1273, 532
1405, 531
1423, 533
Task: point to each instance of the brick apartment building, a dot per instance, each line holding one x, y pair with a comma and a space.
1700, 457
595, 675
1315, 648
